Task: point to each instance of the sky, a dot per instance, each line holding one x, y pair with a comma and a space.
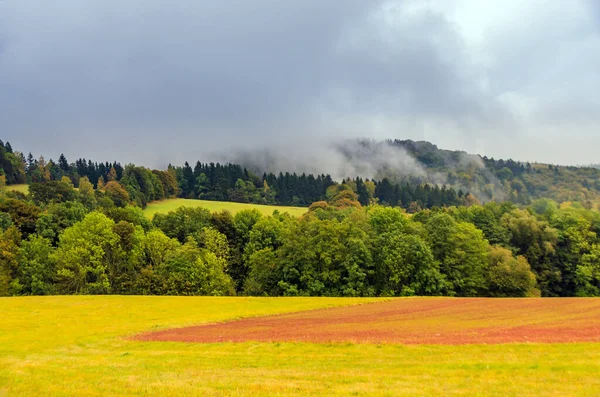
153, 82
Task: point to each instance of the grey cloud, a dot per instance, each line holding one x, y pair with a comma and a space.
155, 82
150, 62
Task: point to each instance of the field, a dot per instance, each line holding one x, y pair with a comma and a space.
165, 206
414, 321
82, 345
19, 188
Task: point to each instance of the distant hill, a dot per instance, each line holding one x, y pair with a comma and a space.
486, 178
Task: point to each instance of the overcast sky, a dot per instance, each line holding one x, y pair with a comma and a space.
153, 82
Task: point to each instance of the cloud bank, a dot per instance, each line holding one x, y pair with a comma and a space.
155, 82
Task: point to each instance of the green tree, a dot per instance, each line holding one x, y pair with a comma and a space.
37, 266
266, 233
84, 255
575, 239
86, 193
127, 258
158, 247
202, 186
484, 218
264, 275
215, 242
406, 266
58, 217
243, 222
587, 277
182, 223
10, 240
544, 207
67, 181
462, 253
326, 258
509, 276
51, 192
192, 271
131, 214
22, 214
5, 221
387, 219
536, 241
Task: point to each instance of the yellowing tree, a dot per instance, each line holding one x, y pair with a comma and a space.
112, 174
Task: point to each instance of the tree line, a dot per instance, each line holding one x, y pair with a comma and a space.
485, 179
221, 182
62, 240
232, 182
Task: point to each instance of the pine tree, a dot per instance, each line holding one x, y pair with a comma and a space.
189, 188
30, 163
62, 163
361, 190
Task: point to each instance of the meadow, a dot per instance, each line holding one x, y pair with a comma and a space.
19, 188
82, 345
168, 205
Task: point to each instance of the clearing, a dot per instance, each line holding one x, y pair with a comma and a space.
19, 188
168, 205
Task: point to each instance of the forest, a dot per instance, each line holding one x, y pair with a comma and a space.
81, 230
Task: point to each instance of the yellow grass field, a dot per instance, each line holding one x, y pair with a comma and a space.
165, 206
79, 345
19, 188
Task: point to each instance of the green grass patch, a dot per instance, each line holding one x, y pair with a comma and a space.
77, 345
19, 188
165, 206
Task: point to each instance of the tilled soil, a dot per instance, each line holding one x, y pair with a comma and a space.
447, 321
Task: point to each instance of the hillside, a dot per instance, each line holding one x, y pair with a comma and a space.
487, 178
403, 173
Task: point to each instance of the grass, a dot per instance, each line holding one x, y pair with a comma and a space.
77, 346
19, 188
165, 206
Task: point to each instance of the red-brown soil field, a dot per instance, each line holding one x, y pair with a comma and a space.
414, 321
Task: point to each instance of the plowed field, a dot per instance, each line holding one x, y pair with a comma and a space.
446, 321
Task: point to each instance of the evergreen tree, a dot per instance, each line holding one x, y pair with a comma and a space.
63, 164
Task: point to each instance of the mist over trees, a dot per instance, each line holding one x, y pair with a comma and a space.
417, 163
81, 230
